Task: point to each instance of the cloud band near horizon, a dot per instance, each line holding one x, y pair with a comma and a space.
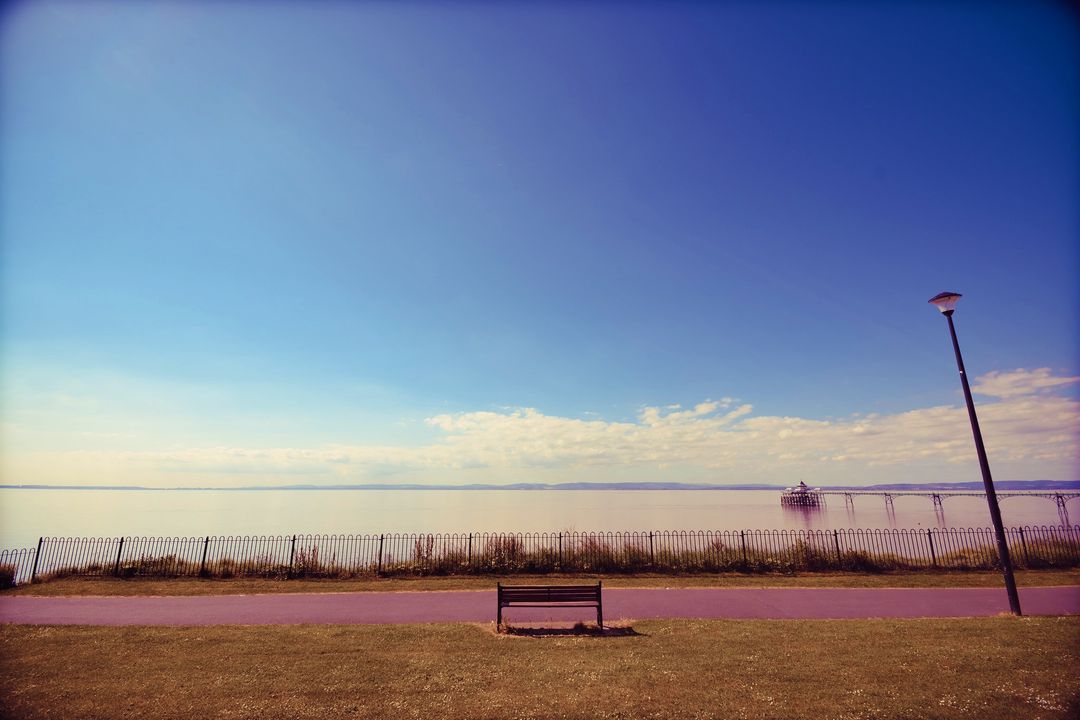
1029, 430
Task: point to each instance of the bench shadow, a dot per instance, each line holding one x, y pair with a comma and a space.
578, 630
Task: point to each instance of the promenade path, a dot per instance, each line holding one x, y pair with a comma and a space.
479, 606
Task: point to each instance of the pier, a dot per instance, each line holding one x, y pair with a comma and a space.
936, 497
802, 496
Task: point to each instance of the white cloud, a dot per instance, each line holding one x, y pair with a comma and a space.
1027, 426
1013, 383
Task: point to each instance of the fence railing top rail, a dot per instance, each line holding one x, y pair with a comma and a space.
565, 535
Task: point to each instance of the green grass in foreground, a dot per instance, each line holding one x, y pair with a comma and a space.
987, 668
247, 586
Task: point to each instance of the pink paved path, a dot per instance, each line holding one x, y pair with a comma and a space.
479, 606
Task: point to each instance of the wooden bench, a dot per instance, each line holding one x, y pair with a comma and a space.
551, 596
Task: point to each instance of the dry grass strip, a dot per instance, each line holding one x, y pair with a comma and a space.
985, 668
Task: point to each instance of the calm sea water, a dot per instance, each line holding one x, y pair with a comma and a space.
27, 514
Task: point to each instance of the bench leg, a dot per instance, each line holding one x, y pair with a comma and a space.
600, 616
498, 620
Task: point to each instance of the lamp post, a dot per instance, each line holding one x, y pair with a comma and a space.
946, 303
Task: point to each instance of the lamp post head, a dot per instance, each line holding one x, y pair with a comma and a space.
945, 302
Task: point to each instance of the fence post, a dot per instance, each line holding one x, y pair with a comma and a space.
202, 564
292, 556
836, 542
742, 538
116, 567
378, 568
469, 560
37, 554
1023, 544
933, 555
560, 550
652, 556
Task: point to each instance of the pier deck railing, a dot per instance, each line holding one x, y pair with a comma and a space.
287, 556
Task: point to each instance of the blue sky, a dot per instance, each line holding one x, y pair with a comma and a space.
349, 240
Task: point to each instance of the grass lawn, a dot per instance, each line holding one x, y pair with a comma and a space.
988, 668
194, 586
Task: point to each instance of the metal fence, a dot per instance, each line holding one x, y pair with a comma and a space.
16, 566
590, 552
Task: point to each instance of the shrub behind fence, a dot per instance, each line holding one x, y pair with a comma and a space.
339, 556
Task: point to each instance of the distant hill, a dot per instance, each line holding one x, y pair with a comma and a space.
1010, 485
418, 486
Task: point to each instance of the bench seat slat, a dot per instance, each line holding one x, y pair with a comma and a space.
550, 605
549, 600
543, 598
559, 596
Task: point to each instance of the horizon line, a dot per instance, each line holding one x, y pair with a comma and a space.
1050, 484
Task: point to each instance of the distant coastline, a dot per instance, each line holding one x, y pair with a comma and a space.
1003, 485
